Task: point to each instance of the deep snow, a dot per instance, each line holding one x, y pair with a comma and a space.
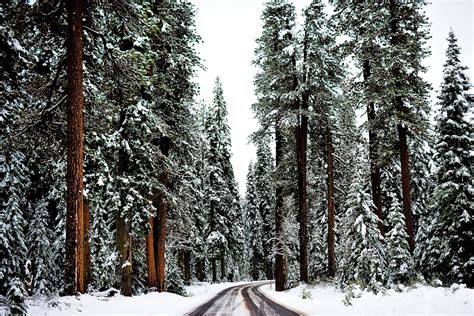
324, 300
419, 300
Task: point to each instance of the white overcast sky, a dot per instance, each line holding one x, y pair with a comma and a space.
229, 29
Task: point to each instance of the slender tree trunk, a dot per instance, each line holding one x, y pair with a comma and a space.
87, 251
187, 266
222, 265
279, 234
375, 178
200, 267
161, 238
150, 255
163, 206
127, 259
124, 248
124, 238
214, 270
406, 187
331, 206
74, 271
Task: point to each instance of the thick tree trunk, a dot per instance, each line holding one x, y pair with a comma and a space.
162, 215
406, 187
87, 251
74, 272
331, 206
279, 234
150, 255
375, 178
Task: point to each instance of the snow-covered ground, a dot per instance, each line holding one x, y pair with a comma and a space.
145, 304
323, 300
421, 300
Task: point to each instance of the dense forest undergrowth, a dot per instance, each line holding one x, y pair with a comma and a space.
112, 175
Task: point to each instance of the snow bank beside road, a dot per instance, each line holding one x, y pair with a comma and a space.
421, 300
146, 304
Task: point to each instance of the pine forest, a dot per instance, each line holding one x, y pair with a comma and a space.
116, 176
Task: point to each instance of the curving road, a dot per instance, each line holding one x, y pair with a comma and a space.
244, 299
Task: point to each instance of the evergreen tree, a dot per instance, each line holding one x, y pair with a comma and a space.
399, 261
13, 248
254, 226
363, 257
223, 238
276, 88
264, 188
39, 239
453, 192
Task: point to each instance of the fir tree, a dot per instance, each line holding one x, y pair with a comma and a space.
276, 88
264, 190
13, 248
453, 192
363, 257
254, 226
399, 261
224, 239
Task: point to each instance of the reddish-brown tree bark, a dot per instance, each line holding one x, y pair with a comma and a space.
396, 73
331, 205
87, 252
150, 255
279, 256
74, 271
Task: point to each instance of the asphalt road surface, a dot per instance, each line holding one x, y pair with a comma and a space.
244, 299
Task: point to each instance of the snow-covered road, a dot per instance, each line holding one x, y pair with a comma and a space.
243, 299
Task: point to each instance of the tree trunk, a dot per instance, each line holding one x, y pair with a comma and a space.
301, 148
214, 271
222, 265
200, 267
279, 234
187, 266
161, 238
406, 188
331, 206
87, 250
375, 178
150, 255
124, 238
127, 259
163, 206
74, 272
402, 130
